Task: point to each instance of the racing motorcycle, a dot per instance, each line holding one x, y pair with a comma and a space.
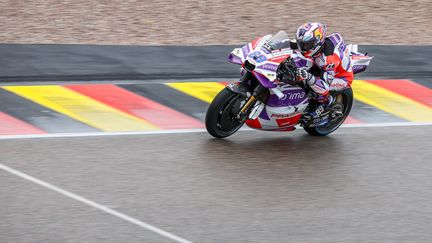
262, 102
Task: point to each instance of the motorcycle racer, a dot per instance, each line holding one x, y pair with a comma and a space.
323, 64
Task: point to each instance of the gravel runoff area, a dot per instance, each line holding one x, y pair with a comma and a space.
197, 22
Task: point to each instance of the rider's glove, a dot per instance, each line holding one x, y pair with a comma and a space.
305, 77
286, 72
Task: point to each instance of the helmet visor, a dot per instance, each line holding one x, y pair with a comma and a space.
306, 46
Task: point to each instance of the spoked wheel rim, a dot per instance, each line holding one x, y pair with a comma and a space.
227, 120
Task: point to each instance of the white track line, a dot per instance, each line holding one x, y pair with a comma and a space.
96, 134
390, 124
93, 204
99, 134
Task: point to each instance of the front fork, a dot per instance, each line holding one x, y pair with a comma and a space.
250, 88
257, 94
248, 104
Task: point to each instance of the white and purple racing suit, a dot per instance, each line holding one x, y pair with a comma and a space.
331, 67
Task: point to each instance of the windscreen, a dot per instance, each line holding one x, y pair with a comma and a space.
278, 41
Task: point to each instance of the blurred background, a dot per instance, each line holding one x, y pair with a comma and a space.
191, 22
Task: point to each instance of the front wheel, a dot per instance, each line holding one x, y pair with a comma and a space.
221, 119
340, 110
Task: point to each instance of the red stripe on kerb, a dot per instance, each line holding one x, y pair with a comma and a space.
224, 83
352, 120
141, 107
11, 126
408, 89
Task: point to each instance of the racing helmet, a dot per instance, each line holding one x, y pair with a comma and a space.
310, 38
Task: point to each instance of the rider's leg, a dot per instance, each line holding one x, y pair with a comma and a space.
322, 98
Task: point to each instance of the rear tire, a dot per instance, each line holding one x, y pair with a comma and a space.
347, 101
221, 118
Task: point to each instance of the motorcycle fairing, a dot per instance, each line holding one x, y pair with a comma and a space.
265, 61
359, 61
285, 104
280, 114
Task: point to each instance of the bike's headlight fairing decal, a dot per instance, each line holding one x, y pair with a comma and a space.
236, 56
234, 59
245, 50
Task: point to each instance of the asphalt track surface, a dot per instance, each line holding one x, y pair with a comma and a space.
357, 185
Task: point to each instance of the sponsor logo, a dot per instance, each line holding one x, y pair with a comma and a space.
278, 59
280, 115
283, 52
269, 75
269, 67
316, 120
293, 96
330, 66
338, 84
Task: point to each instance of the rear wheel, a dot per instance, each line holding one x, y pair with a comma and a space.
340, 110
221, 119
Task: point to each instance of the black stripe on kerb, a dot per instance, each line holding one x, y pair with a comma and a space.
425, 81
370, 114
172, 98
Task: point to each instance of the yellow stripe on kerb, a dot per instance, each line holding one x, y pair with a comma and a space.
81, 108
204, 91
391, 102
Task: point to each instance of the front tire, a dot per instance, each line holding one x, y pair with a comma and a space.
335, 123
221, 120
